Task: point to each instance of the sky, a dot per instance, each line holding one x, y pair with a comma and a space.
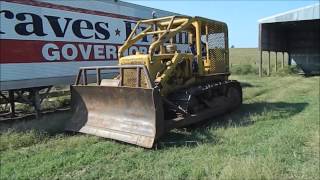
241, 16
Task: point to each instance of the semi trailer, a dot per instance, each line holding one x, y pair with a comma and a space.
44, 43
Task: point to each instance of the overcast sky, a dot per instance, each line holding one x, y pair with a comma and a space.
241, 16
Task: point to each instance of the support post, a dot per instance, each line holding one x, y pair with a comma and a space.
12, 104
261, 50
260, 64
289, 59
269, 64
98, 71
276, 65
282, 64
36, 102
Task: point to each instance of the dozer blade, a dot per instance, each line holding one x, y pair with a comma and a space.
132, 115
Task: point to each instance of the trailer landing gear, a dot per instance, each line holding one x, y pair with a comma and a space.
30, 96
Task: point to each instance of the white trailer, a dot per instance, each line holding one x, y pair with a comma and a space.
44, 42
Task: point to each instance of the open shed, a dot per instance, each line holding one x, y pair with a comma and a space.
295, 32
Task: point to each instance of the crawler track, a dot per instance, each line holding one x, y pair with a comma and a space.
202, 101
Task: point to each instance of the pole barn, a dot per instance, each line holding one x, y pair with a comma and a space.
295, 32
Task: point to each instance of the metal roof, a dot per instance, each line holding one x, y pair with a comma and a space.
305, 13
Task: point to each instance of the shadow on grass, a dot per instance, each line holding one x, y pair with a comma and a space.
201, 133
246, 115
247, 85
261, 110
51, 123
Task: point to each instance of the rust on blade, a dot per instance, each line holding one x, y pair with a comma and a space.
132, 115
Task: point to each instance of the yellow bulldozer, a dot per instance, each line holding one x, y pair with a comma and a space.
165, 88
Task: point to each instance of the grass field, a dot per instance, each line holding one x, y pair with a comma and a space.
274, 135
